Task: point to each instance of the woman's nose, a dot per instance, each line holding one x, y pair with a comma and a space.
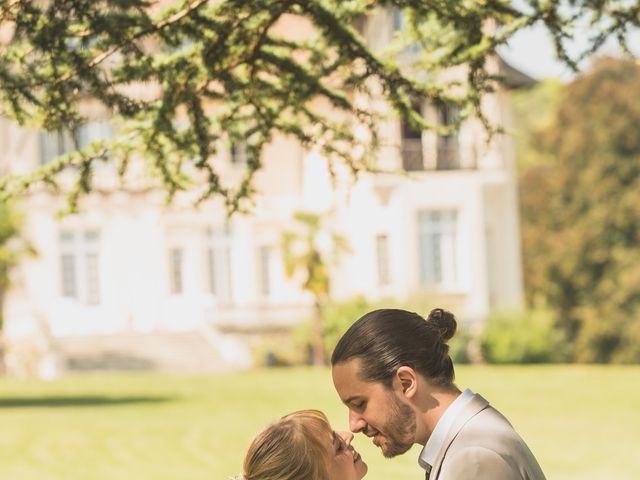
346, 436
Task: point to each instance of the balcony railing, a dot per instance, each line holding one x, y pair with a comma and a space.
412, 155
448, 155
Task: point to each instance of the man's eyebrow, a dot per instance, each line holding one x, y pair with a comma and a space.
351, 399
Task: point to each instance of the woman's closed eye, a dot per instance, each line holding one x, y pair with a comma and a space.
339, 443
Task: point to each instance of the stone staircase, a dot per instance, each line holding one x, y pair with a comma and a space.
170, 352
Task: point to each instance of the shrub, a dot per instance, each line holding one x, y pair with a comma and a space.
278, 350
528, 336
339, 316
459, 344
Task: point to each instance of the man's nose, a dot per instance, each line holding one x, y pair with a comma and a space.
356, 422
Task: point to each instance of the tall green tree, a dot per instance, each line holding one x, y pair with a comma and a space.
216, 73
580, 214
534, 111
310, 251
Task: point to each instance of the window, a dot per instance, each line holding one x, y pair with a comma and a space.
400, 24
269, 273
54, 144
448, 148
176, 268
265, 258
93, 131
80, 266
69, 285
437, 231
239, 152
382, 254
60, 142
399, 19
219, 263
411, 143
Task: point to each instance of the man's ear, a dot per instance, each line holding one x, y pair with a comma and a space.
408, 380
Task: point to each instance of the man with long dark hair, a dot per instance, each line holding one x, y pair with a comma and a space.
393, 371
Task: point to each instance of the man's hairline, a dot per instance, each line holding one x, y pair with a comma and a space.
386, 383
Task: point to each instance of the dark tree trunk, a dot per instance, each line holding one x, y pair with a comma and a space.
317, 335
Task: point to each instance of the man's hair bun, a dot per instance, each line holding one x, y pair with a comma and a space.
444, 322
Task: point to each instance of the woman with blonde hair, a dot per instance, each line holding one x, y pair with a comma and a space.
302, 446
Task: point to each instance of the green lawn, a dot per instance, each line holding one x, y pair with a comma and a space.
581, 422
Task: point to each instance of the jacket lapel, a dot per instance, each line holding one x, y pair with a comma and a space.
471, 409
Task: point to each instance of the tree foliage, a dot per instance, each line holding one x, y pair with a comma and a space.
580, 215
534, 111
216, 73
13, 248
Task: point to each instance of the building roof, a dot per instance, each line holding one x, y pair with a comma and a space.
514, 78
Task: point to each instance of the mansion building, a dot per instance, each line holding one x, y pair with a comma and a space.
131, 282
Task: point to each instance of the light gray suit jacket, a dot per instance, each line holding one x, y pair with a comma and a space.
482, 445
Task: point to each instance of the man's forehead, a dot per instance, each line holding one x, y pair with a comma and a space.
347, 370
348, 383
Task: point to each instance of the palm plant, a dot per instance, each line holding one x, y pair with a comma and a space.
309, 252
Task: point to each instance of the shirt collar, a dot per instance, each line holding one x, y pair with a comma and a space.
435, 442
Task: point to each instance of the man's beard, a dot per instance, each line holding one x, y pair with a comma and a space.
400, 430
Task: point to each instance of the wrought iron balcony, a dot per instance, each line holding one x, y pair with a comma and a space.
448, 156
412, 155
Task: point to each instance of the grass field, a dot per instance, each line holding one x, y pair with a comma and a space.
581, 422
